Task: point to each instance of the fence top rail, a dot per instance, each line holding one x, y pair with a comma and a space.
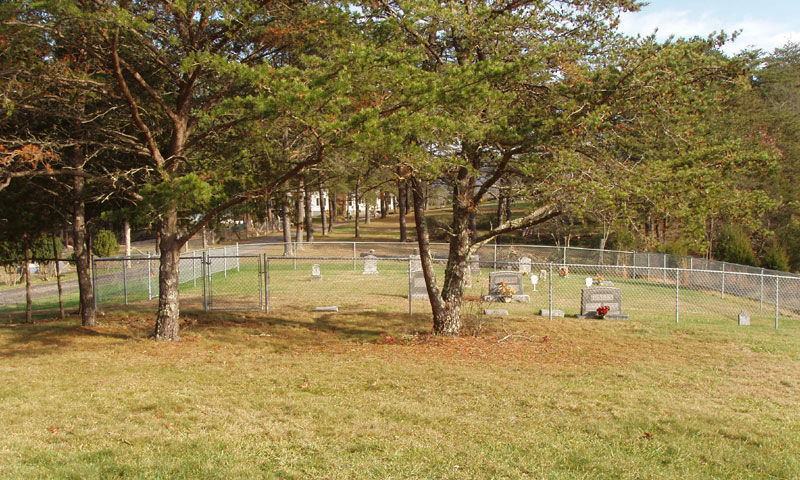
438, 244
668, 269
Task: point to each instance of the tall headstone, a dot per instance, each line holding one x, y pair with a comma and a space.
370, 265
418, 287
525, 265
468, 277
415, 263
475, 264
315, 273
594, 297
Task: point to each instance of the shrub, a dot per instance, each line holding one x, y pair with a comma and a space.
775, 258
105, 244
733, 246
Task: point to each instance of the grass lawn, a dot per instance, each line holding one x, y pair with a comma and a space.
303, 395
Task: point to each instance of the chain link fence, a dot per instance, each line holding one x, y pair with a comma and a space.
46, 281
381, 277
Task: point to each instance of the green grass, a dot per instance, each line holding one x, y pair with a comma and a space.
302, 395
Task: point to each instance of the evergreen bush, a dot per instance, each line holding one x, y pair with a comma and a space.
733, 245
105, 244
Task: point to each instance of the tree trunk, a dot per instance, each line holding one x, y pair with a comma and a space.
508, 208
287, 231
367, 208
167, 323
446, 305
322, 211
473, 225
307, 212
80, 242
126, 235
331, 210
401, 201
205, 241
28, 299
383, 204
358, 213
58, 280
299, 218
501, 209
406, 196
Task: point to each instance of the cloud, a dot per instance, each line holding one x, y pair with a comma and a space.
755, 33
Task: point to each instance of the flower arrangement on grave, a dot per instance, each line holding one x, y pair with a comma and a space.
598, 279
505, 292
563, 271
602, 311
524, 272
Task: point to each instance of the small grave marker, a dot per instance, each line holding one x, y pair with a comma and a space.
315, 273
546, 313
534, 281
494, 311
744, 318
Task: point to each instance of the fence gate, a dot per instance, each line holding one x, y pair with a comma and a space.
233, 282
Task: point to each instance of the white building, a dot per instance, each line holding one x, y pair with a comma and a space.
351, 208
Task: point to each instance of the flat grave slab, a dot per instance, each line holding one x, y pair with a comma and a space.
332, 308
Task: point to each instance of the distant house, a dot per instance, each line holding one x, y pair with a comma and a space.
350, 206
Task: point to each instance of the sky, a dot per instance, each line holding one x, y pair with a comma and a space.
765, 24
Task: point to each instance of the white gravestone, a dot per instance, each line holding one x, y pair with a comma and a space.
418, 287
475, 264
315, 274
744, 318
543, 275
415, 263
370, 265
525, 265
534, 281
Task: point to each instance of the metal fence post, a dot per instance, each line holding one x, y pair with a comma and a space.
203, 271
194, 270
664, 263
677, 295
777, 300
410, 303
648, 266
260, 282
495, 255
723, 280
149, 278
237, 257
691, 271
94, 282
550, 292
125, 280
225, 261
634, 265
761, 295
565, 254
354, 256
266, 283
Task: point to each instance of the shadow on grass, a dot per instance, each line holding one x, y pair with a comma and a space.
40, 339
